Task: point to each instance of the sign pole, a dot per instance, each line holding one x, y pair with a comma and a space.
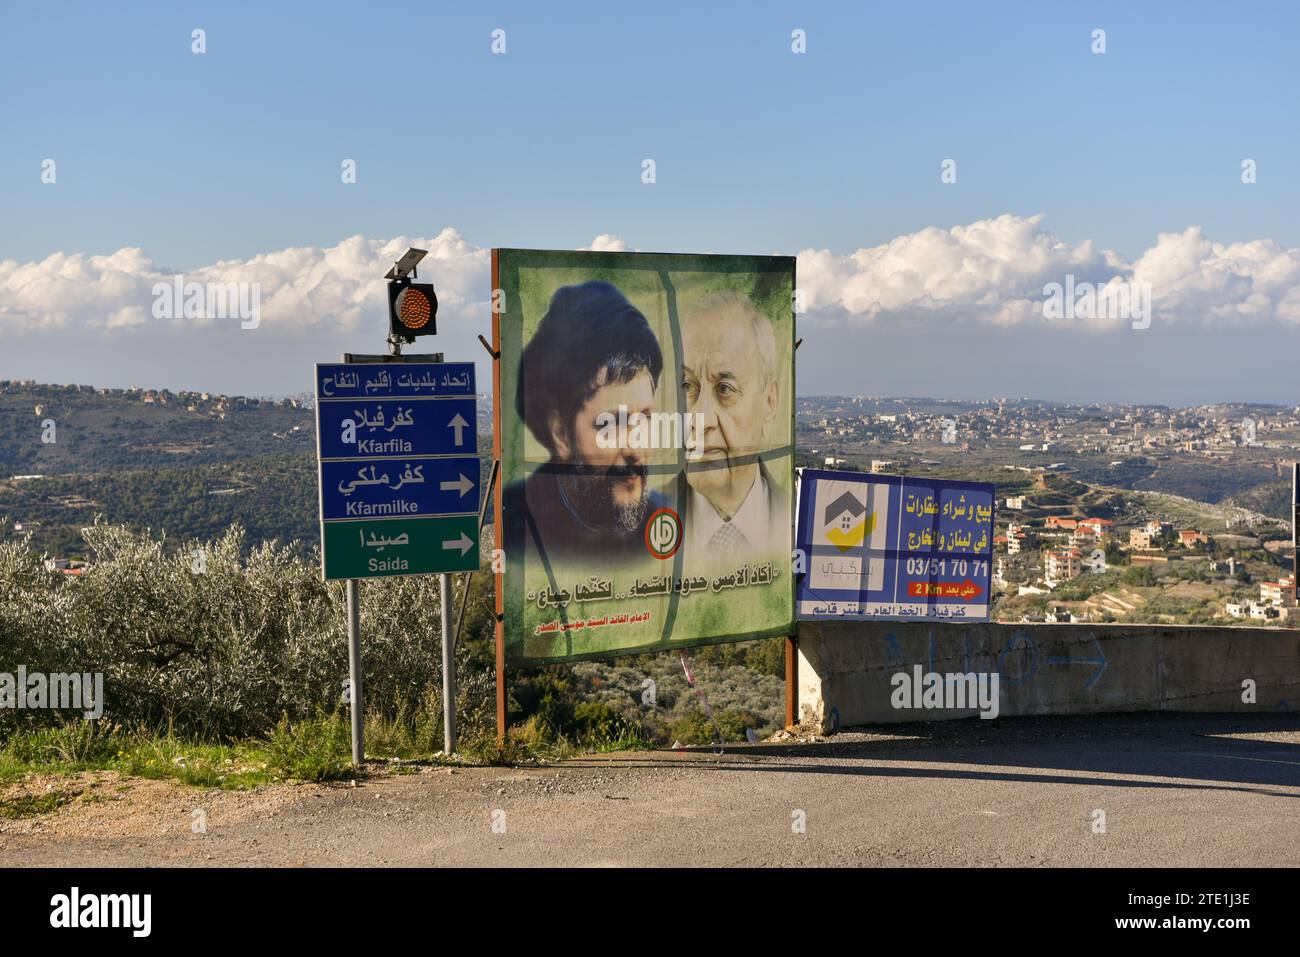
497, 500
382, 422
354, 668
354, 672
791, 681
448, 670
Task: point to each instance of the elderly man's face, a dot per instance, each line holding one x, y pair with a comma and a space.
724, 384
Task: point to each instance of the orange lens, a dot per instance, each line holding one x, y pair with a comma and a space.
413, 309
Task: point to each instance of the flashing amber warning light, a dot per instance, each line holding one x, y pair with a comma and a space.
413, 308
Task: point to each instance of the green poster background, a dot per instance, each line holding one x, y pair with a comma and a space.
740, 599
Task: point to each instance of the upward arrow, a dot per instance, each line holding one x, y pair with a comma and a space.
459, 425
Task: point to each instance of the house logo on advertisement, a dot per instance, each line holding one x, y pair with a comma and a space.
663, 533
847, 522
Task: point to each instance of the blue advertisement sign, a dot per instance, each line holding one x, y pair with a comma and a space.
893, 547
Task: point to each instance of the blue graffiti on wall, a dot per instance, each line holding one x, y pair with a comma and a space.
1098, 659
1020, 648
1019, 640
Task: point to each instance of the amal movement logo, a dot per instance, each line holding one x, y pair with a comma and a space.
663, 533
847, 522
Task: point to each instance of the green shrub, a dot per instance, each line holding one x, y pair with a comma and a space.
225, 652
315, 750
1139, 575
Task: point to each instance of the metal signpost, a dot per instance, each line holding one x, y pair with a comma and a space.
399, 493
397, 448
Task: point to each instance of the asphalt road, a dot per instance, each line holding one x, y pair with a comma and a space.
1175, 790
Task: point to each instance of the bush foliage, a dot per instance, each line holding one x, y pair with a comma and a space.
230, 650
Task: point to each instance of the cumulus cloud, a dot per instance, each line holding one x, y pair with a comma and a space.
1193, 278
992, 271
996, 271
334, 286
607, 243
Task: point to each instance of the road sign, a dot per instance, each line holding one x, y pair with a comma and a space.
401, 546
893, 547
349, 380
399, 478
351, 428
406, 487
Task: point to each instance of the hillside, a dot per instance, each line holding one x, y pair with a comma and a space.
1272, 499
97, 430
273, 497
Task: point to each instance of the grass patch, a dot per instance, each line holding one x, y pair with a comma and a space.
30, 805
315, 750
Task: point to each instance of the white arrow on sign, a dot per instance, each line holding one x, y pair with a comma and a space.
465, 543
464, 483
459, 425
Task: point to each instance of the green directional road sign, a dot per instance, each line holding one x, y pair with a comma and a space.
401, 546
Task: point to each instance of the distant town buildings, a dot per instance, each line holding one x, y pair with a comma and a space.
1275, 602
1098, 528
1019, 537
1061, 566
1277, 593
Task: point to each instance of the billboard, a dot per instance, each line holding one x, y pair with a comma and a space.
645, 418
893, 547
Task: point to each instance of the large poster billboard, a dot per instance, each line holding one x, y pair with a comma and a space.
645, 421
894, 547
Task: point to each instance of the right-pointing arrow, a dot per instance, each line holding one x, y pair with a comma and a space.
1099, 661
464, 544
464, 483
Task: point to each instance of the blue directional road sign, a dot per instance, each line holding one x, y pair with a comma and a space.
351, 428
370, 488
399, 476
353, 380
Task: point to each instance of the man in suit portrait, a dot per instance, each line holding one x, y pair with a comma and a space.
735, 512
592, 355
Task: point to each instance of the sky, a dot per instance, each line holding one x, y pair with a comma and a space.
935, 168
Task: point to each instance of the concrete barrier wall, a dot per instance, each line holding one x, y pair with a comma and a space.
845, 668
